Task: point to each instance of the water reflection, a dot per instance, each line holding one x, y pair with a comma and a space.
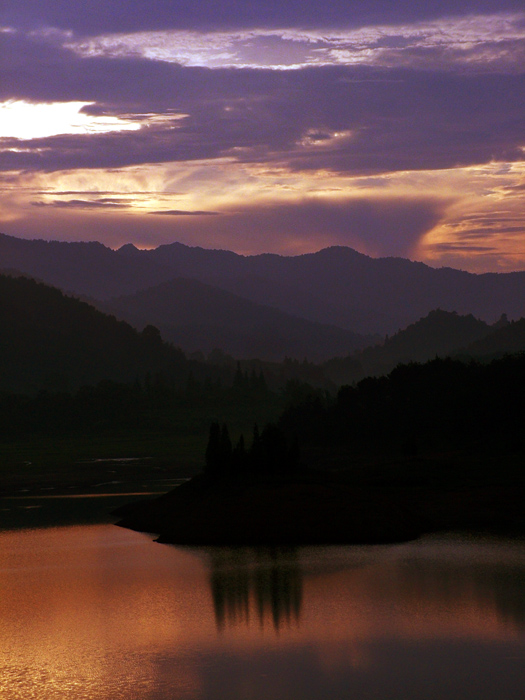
485, 585
107, 614
266, 583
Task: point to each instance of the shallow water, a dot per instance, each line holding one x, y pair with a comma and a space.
101, 613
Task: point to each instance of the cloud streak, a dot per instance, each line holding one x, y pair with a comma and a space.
84, 204
182, 212
341, 119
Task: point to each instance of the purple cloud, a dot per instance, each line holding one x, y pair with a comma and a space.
85, 204
398, 119
96, 16
182, 212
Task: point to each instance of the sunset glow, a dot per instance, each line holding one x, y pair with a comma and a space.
25, 121
138, 131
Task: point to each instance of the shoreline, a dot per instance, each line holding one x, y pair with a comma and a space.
274, 512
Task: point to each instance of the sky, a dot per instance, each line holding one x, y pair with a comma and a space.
395, 128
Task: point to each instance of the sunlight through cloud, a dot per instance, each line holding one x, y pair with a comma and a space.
25, 120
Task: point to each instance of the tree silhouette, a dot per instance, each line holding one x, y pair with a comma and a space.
213, 451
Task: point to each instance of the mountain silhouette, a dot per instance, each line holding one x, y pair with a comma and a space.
336, 286
440, 333
89, 269
503, 340
340, 286
196, 316
51, 341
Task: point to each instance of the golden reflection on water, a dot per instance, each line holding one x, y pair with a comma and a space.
101, 613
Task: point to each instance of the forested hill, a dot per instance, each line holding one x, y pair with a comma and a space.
440, 333
199, 317
442, 405
507, 339
52, 341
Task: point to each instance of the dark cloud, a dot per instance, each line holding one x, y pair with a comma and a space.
410, 120
85, 204
182, 212
498, 56
87, 17
461, 248
66, 193
514, 188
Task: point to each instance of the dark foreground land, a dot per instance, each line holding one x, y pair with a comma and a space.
326, 508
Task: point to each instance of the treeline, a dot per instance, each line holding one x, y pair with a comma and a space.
157, 403
270, 452
417, 408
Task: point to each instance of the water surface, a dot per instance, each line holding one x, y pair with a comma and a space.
101, 613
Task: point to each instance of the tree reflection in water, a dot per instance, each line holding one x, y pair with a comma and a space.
260, 582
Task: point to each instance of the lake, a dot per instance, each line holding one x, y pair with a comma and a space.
96, 612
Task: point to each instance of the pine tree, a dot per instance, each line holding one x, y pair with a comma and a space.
225, 450
239, 456
213, 451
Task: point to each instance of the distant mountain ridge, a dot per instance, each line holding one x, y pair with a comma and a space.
198, 317
90, 269
439, 334
336, 286
340, 286
503, 340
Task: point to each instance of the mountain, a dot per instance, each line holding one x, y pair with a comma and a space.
506, 339
440, 333
337, 285
51, 341
89, 269
196, 316
340, 286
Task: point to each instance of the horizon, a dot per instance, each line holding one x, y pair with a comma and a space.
252, 255
396, 131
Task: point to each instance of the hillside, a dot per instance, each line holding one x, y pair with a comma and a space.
196, 316
51, 341
509, 338
440, 333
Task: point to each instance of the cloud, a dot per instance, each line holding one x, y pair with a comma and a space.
385, 96
91, 17
456, 247
412, 121
477, 43
85, 204
376, 226
181, 212
380, 226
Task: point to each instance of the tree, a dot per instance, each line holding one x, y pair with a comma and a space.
225, 450
213, 450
